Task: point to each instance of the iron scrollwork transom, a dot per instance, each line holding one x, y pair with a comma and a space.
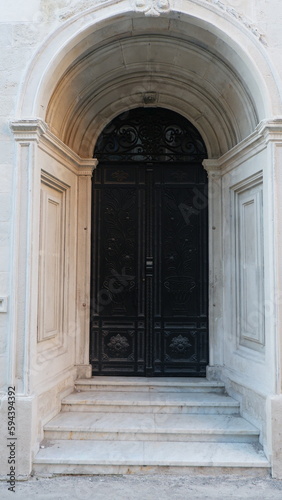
150, 135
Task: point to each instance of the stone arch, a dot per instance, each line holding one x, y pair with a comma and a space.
223, 82
195, 60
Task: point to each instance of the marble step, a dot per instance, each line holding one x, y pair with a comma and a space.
144, 402
150, 427
121, 457
146, 384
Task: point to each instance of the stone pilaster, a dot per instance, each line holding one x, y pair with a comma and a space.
215, 268
83, 266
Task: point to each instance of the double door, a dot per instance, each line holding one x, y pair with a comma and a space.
149, 311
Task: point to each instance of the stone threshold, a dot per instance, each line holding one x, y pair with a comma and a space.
69, 453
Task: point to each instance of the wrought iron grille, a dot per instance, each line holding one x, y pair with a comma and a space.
150, 135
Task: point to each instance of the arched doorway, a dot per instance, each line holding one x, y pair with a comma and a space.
198, 60
149, 311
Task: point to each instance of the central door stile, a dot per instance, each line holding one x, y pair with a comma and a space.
141, 276
149, 265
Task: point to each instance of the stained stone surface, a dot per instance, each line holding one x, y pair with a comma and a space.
146, 487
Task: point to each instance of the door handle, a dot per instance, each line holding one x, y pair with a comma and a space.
149, 266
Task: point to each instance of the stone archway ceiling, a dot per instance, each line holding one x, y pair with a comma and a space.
157, 62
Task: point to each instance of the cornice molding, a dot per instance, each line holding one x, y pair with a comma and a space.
271, 129
266, 131
30, 130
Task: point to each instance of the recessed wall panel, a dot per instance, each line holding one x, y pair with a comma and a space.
249, 263
51, 267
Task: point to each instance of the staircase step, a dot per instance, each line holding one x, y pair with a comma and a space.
146, 384
109, 457
143, 402
150, 427
124, 425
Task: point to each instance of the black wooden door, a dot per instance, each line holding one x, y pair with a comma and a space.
149, 268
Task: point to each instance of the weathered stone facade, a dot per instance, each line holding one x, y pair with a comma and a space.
68, 68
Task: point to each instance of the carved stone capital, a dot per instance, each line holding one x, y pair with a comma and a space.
213, 168
87, 166
28, 130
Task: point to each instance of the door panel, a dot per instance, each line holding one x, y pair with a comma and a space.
117, 307
149, 270
183, 272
